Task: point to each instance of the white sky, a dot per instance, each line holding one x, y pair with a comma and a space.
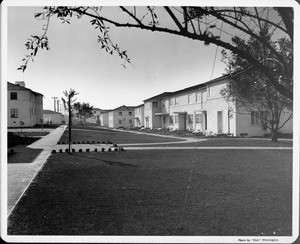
162, 62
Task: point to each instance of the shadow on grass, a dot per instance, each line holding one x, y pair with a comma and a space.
112, 163
23, 154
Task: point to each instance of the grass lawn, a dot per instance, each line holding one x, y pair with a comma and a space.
232, 192
82, 133
229, 142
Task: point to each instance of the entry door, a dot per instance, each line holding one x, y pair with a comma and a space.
220, 121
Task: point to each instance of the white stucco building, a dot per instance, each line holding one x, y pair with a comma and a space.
139, 116
202, 108
24, 106
51, 117
121, 117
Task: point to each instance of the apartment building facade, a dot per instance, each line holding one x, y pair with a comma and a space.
139, 116
201, 108
121, 117
24, 106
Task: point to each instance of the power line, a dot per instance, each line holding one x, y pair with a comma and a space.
213, 67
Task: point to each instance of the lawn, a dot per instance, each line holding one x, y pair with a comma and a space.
229, 142
83, 133
231, 192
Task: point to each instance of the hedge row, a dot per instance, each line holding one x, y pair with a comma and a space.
87, 142
88, 150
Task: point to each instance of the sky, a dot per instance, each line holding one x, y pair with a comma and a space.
161, 62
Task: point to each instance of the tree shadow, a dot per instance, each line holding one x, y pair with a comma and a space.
23, 154
112, 163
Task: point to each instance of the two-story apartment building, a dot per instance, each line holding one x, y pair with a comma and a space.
121, 117
139, 116
202, 108
24, 106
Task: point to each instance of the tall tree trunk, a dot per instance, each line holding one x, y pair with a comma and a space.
275, 135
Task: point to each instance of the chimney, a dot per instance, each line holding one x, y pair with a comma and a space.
20, 83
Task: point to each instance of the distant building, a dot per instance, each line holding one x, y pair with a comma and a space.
24, 106
139, 116
121, 117
95, 118
104, 118
51, 117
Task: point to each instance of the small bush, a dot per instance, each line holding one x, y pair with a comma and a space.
83, 142
80, 150
103, 142
102, 149
53, 151
58, 142
66, 150
95, 150
115, 145
88, 142
87, 150
116, 149
60, 150
93, 142
73, 150
109, 149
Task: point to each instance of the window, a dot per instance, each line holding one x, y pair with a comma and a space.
176, 119
254, 118
191, 98
14, 113
208, 91
191, 118
155, 104
198, 118
163, 103
130, 121
13, 96
120, 113
130, 113
120, 122
171, 102
176, 101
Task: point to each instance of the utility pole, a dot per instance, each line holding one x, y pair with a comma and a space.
70, 122
54, 103
57, 105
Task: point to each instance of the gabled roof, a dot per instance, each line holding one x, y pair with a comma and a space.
199, 86
123, 107
165, 94
11, 86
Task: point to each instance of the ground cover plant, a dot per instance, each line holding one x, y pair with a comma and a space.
14, 139
85, 133
231, 192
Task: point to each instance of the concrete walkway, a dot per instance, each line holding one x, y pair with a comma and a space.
23, 166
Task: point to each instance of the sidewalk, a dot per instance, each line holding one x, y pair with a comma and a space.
23, 166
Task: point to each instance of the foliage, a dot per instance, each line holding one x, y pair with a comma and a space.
204, 24
83, 110
249, 87
69, 103
14, 139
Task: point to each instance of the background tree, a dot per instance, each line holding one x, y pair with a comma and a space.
83, 111
69, 105
249, 87
214, 25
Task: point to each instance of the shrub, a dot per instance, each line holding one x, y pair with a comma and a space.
58, 142
115, 145
95, 150
87, 150
102, 149
60, 150
73, 150
83, 142
66, 150
88, 142
80, 150
116, 149
109, 149
53, 151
